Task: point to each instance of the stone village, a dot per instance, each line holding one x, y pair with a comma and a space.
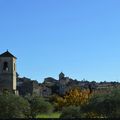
10, 81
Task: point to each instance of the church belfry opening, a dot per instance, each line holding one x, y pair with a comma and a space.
5, 66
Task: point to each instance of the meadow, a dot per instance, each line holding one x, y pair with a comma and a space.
51, 115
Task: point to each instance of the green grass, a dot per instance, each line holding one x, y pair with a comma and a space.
51, 115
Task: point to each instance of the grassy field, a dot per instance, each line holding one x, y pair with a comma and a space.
52, 115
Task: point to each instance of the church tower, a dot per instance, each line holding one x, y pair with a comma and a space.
61, 76
7, 72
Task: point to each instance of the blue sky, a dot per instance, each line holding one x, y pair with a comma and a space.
78, 37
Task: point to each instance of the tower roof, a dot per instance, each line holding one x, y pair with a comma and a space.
7, 54
61, 73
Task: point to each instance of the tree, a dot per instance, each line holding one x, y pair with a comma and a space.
38, 105
95, 107
105, 105
75, 97
12, 106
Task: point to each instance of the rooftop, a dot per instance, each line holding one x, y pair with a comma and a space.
7, 54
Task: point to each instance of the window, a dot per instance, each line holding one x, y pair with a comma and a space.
5, 66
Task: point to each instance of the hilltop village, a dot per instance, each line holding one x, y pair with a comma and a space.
51, 86
10, 80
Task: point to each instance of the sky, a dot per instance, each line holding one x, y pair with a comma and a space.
80, 38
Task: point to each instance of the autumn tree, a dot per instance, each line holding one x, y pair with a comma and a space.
76, 97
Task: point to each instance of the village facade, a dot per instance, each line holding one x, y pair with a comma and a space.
10, 81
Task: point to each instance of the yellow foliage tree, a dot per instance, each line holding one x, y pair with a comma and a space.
75, 97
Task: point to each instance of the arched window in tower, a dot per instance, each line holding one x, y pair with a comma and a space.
5, 66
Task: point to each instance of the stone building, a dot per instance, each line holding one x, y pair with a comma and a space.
63, 83
10, 81
26, 86
61, 76
8, 72
45, 91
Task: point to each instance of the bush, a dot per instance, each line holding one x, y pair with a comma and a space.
105, 105
71, 112
12, 106
39, 105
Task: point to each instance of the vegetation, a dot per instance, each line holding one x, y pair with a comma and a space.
71, 112
104, 105
74, 104
100, 105
38, 106
12, 106
50, 115
74, 97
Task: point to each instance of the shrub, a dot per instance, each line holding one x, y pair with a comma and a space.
39, 106
105, 105
12, 106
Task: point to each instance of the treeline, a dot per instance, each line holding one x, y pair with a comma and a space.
13, 106
77, 103
83, 104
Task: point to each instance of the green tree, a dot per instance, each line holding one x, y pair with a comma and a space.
12, 106
105, 105
38, 105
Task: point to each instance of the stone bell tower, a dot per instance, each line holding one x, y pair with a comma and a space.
7, 72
